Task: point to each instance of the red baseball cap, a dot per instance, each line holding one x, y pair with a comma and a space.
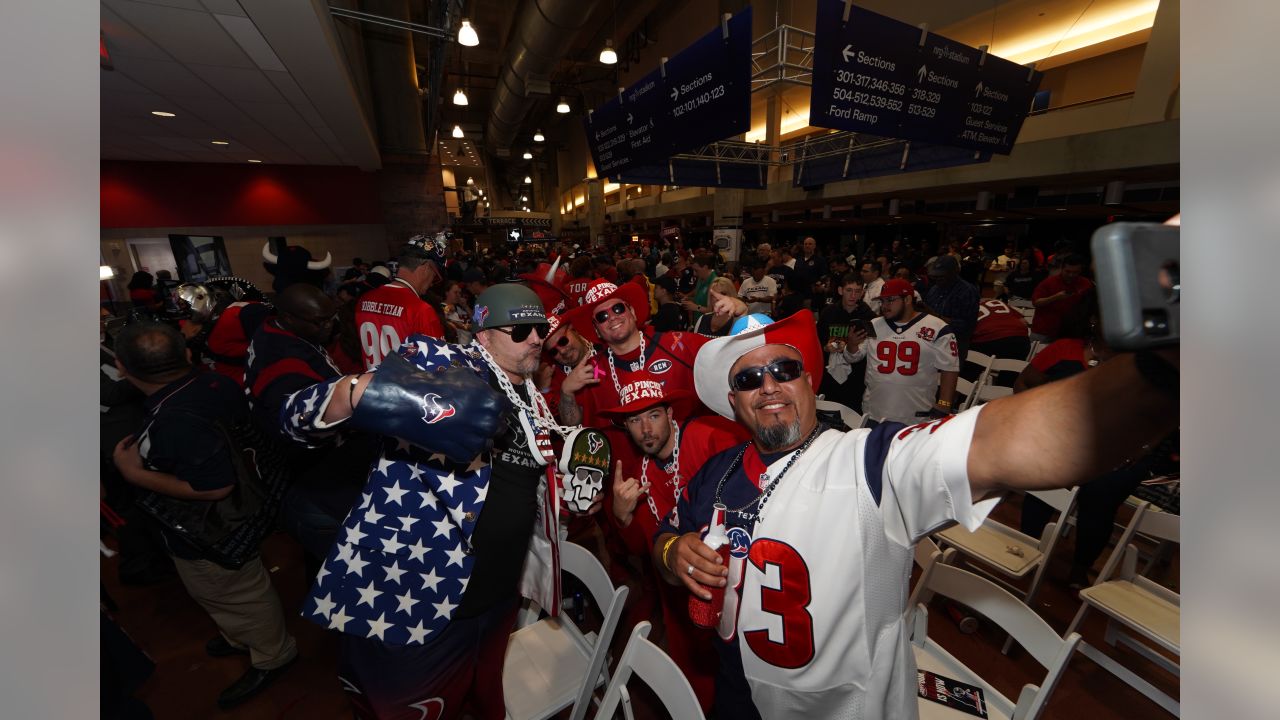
601, 291
897, 287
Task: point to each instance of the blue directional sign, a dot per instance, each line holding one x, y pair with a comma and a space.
708, 86
704, 96
877, 75
630, 129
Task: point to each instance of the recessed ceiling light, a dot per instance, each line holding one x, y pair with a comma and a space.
219, 142
161, 113
968, 213
255, 161
1062, 209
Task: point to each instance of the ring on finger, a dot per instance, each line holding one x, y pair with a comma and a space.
689, 570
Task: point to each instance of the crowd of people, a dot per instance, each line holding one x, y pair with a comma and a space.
408, 426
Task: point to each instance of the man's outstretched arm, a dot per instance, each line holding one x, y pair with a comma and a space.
1069, 432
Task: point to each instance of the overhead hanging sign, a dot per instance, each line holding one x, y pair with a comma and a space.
701, 95
877, 75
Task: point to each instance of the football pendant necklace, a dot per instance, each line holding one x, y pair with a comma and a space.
675, 479
767, 484
613, 372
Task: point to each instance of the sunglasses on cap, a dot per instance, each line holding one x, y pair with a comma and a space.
753, 377
520, 333
617, 309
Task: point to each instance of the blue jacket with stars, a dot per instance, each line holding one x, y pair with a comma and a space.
403, 558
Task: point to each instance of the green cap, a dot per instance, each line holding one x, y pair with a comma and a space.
507, 304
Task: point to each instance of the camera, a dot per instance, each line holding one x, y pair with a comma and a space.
1139, 288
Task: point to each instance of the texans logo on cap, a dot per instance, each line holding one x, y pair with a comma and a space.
434, 409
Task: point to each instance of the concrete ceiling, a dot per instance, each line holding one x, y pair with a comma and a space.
264, 76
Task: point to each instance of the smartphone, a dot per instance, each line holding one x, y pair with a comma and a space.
865, 327
1139, 288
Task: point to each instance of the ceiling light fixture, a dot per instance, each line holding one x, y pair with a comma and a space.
459, 97
528, 180
161, 113
467, 35
607, 55
255, 161
524, 198
538, 136
527, 155
471, 181
563, 106
457, 131
219, 142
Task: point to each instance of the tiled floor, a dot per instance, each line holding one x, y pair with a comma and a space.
173, 630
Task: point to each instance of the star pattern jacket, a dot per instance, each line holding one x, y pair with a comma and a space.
403, 557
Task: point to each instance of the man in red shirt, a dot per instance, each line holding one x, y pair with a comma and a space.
1001, 332
1056, 295
655, 462
387, 315
616, 316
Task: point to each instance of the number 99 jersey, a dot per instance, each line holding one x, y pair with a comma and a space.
903, 362
388, 315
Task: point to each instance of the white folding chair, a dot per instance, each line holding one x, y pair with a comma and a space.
658, 671
1000, 365
1036, 347
927, 553
1010, 553
551, 664
968, 390
982, 360
987, 391
1130, 600
847, 414
998, 606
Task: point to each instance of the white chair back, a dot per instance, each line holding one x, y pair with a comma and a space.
658, 671
580, 563
847, 414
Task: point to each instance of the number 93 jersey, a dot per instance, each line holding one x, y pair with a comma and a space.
903, 362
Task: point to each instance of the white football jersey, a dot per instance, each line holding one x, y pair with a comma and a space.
903, 362
820, 622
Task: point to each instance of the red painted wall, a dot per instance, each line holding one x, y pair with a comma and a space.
166, 194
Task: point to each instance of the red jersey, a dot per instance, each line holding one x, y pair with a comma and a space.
668, 356
227, 348
386, 316
1048, 318
997, 321
700, 438
576, 288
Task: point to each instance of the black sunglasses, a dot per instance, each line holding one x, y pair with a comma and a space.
753, 377
560, 344
520, 333
617, 309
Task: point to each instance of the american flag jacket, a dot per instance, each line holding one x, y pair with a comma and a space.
403, 556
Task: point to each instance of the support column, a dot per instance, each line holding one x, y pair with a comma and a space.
410, 185
1155, 97
595, 208
772, 132
727, 206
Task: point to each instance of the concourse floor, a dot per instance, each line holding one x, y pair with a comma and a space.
172, 629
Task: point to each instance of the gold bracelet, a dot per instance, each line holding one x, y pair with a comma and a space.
666, 549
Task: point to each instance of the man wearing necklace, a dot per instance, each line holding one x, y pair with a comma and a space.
822, 522
458, 517
387, 315
655, 463
616, 316
567, 360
